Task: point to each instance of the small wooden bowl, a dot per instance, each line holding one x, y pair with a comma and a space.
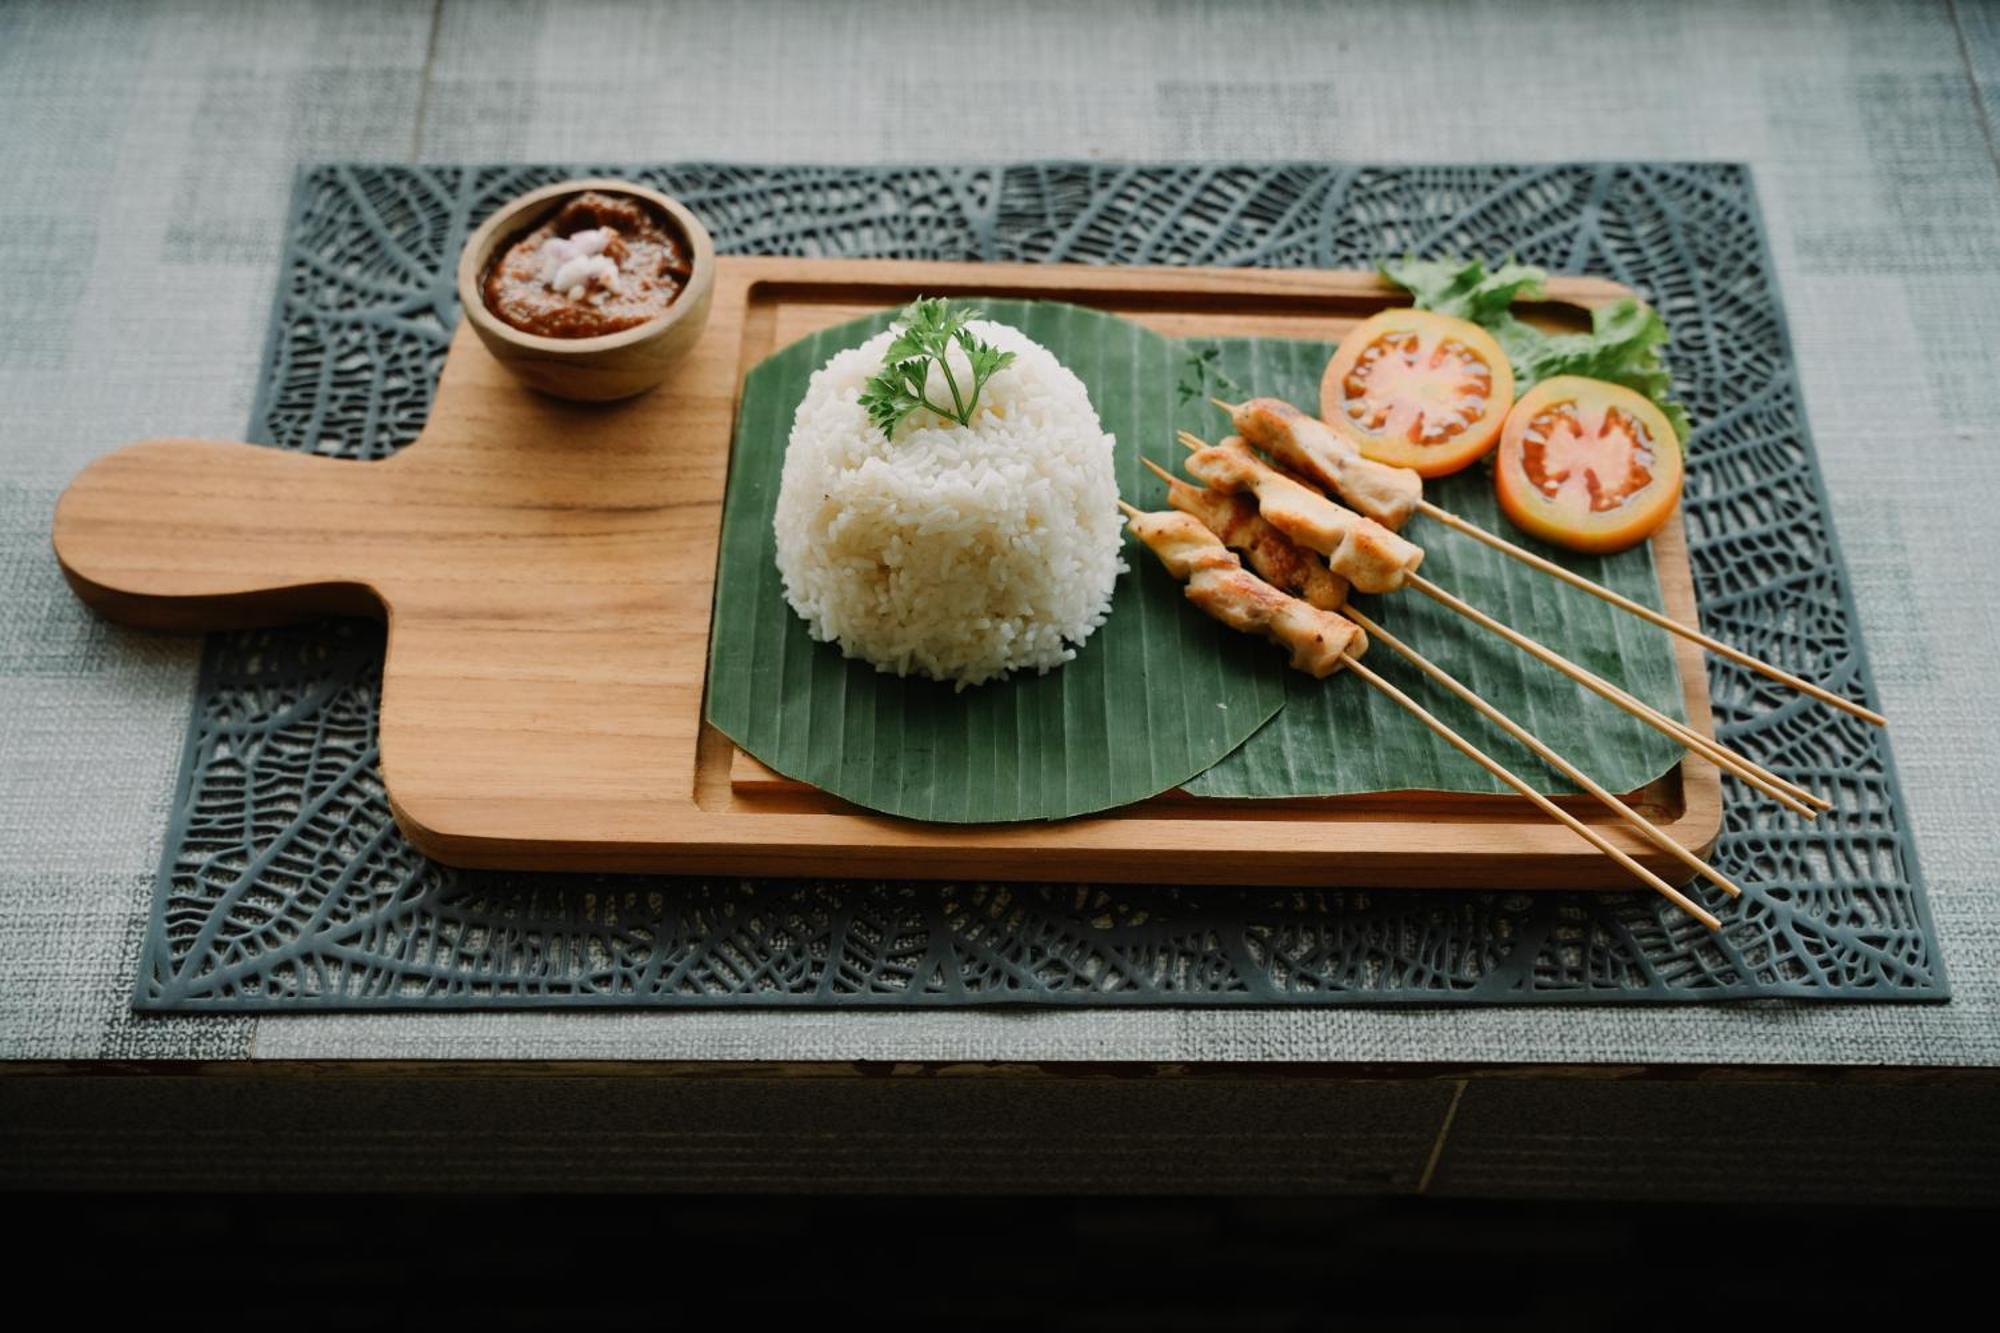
613, 365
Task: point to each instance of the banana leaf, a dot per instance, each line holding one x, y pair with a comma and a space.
1161, 696
1155, 696
1340, 737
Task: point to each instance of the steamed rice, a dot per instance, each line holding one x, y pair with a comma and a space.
956, 552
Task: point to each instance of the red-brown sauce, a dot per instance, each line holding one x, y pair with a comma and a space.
603, 263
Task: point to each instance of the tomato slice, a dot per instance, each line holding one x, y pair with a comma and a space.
1418, 390
1591, 466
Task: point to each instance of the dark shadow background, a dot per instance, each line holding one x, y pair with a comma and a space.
896, 1263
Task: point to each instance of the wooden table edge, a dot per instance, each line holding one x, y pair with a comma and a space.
1028, 1070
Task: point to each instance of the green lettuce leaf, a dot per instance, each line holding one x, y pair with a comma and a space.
1465, 289
1623, 345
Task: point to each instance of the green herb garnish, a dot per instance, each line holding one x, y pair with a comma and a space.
929, 328
1204, 378
1623, 345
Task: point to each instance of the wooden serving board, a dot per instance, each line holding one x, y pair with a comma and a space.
547, 568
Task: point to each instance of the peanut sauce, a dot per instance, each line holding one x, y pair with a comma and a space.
602, 263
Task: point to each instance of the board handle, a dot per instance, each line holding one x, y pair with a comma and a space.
206, 535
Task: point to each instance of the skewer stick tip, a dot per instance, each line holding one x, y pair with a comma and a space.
1131, 511
1160, 472
1231, 408
1190, 441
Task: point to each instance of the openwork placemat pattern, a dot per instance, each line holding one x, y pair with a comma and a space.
285, 884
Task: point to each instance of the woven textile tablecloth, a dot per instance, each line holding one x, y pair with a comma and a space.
158, 142
287, 885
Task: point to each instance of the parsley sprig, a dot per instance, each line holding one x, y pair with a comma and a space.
930, 325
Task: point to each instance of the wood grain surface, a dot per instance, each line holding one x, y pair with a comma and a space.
547, 568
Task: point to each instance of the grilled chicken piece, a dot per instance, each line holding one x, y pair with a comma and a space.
1281, 562
1360, 550
1320, 641
1313, 449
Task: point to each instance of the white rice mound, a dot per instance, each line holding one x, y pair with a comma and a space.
956, 552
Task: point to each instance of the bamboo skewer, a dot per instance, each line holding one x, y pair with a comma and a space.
1353, 663
1646, 613
1550, 808
1777, 788
1788, 794
1639, 822
1645, 827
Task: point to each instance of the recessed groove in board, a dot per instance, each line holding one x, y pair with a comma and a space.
1333, 739
1161, 697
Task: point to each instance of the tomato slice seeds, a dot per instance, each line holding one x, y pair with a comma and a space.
1419, 390
1588, 465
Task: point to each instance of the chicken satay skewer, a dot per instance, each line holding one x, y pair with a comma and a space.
1359, 549
1786, 793
1308, 446
1311, 448
1322, 642
1645, 827
1275, 557
1372, 558
1243, 601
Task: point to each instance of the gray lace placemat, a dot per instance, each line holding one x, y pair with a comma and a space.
286, 886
